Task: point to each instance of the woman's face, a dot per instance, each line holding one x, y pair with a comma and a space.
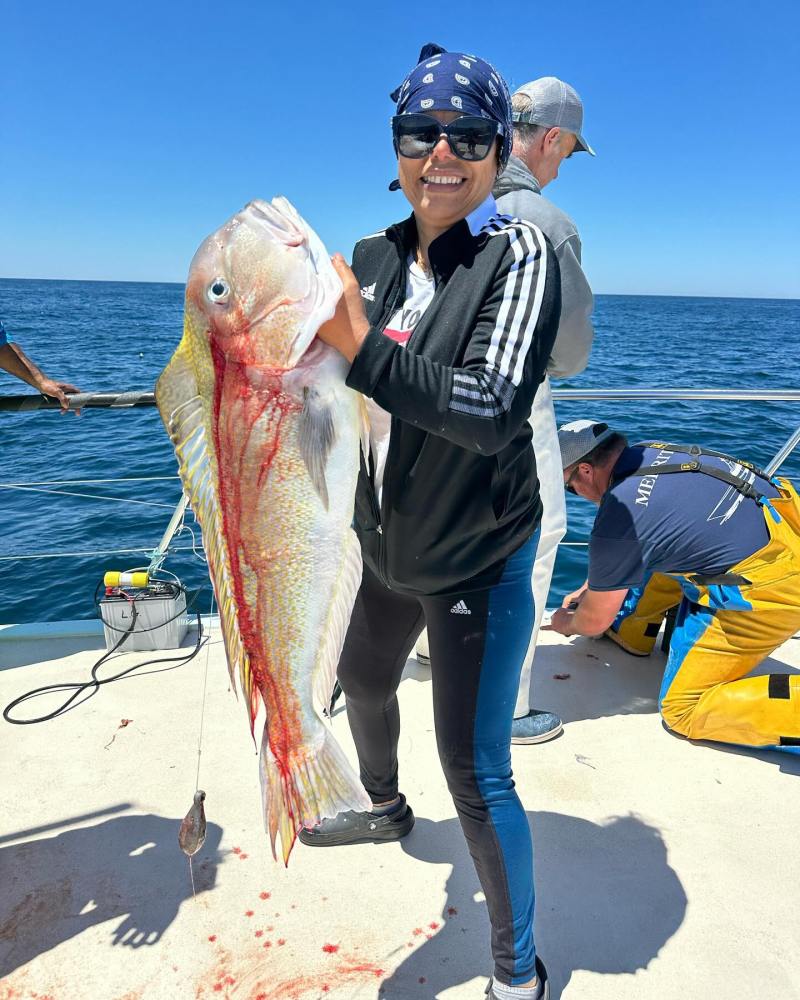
441, 188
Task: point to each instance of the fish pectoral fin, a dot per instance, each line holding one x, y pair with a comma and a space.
317, 436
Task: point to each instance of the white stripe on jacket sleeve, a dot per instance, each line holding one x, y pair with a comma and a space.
490, 391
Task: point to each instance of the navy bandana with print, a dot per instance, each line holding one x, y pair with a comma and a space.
454, 81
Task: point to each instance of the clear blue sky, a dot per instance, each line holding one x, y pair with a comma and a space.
131, 131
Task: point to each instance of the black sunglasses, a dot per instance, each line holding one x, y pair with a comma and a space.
568, 484
469, 137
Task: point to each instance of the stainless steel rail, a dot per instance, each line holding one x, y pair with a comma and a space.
78, 400
133, 400
741, 395
784, 453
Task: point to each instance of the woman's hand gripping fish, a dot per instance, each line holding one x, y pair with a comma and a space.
267, 439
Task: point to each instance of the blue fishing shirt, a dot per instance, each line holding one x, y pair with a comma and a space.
682, 522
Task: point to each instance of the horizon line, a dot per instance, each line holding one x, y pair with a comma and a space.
644, 295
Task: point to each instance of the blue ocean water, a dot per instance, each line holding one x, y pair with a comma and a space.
107, 336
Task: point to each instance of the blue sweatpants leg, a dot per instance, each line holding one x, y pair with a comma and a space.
478, 641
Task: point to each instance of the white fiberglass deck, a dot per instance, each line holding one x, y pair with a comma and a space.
664, 869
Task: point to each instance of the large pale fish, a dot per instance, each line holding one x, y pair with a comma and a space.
267, 438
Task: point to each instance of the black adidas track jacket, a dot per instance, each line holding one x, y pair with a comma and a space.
460, 492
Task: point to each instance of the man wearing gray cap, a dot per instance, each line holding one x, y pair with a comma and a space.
727, 535
548, 118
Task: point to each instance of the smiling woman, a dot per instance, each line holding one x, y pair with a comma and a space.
448, 319
447, 165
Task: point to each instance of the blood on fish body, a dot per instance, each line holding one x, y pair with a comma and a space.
267, 437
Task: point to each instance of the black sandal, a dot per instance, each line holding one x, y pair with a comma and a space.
360, 827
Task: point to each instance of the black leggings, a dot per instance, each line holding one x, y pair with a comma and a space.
478, 641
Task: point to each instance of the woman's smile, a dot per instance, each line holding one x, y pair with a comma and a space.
442, 181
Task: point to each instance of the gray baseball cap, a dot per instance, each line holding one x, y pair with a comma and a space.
555, 104
578, 438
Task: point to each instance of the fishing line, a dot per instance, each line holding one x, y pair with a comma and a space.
91, 552
196, 816
185, 527
87, 482
203, 700
87, 496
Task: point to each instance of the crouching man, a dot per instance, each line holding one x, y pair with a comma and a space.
729, 536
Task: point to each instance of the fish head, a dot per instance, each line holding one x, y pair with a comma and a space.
262, 285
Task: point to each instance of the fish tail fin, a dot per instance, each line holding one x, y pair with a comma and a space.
315, 784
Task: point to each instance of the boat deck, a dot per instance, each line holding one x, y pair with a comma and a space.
664, 869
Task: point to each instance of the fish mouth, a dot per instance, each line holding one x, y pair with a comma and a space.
279, 224
325, 286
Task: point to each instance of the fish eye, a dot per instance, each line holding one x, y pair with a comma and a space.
218, 291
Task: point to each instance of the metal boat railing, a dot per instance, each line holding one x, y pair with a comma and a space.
134, 400
128, 400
